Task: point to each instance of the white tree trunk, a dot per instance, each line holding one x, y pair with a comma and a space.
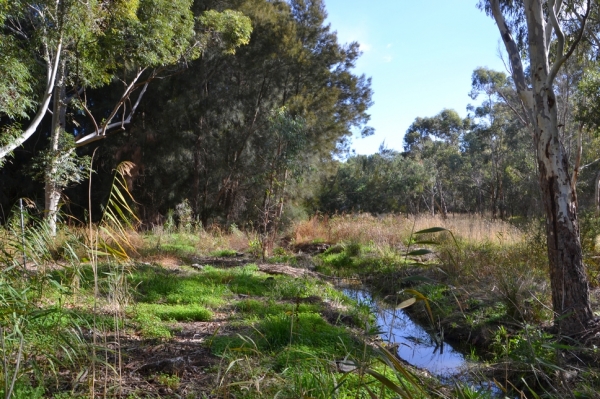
52, 190
570, 290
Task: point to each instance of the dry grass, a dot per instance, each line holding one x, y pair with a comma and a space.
393, 230
474, 229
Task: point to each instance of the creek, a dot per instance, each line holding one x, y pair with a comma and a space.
414, 344
417, 346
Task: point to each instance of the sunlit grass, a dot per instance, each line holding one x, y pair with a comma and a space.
394, 230
187, 312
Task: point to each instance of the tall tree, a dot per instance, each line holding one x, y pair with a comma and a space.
88, 45
435, 140
544, 26
499, 126
216, 122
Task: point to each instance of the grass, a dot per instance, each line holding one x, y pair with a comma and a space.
187, 244
155, 284
485, 276
176, 312
486, 285
393, 231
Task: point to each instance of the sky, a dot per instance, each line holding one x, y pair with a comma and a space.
420, 55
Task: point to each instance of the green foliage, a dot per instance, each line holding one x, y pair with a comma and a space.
151, 326
378, 183
61, 167
241, 162
24, 390
527, 349
590, 244
15, 81
224, 253
185, 215
528, 346
36, 332
233, 26
169, 381
482, 163
588, 96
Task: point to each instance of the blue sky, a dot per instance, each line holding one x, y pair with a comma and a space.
420, 55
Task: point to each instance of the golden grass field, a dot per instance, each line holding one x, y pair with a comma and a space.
393, 230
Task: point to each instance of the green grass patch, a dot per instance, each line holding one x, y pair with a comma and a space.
264, 308
176, 312
224, 253
178, 244
150, 326
178, 249
155, 284
308, 329
353, 259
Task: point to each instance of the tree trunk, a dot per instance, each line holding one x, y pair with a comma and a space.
597, 197
568, 279
52, 192
570, 290
442, 205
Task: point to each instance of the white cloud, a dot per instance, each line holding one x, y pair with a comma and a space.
364, 47
354, 33
389, 45
388, 58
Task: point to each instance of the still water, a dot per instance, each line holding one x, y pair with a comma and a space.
415, 345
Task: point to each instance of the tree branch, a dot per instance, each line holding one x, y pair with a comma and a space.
589, 164
513, 109
100, 133
561, 58
556, 7
37, 119
512, 49
124, 97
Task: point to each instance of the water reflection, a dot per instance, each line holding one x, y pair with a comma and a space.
415, 345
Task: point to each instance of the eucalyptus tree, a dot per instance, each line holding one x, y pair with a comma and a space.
499, 127
86, 45
384, 182
587, 116
278, 164
550, 31
436, 142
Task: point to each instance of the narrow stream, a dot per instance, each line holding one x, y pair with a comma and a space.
417, 347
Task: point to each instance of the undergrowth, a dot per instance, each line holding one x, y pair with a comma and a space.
85, 289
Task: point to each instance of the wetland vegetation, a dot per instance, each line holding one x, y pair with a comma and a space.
194, 313
181, 213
